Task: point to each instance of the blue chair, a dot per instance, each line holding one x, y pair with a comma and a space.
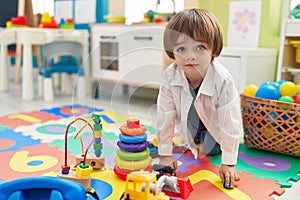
42, 188
61, 57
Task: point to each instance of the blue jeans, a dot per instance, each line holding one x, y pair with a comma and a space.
208, 143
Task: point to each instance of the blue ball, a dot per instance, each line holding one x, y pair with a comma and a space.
281, 81
268, 92
265, 83
270, 117
276, 85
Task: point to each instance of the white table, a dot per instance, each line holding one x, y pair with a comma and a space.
37, 36
7, 37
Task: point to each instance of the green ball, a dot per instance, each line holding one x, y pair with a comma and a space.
286, 99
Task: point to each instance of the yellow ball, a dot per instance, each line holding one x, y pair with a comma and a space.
288, 88
250, 90
298, 87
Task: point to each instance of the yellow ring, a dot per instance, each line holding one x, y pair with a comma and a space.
133, 164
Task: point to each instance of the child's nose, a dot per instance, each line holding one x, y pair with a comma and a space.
191, 57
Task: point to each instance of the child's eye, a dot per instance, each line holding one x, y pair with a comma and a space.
180, 49
201, 47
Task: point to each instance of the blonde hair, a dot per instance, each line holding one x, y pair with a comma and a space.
196, 23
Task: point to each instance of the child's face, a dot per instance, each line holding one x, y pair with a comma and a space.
192, 56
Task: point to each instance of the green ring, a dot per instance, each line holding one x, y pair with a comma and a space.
126, 155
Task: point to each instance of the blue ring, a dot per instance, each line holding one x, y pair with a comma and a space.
132, 139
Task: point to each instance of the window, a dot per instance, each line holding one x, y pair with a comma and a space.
43, 6
135, 9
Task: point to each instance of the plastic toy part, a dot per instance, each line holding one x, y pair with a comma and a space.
133, 128
122, 173
133, 164
42, 188
226, 186
134, 147
140, 155
133, 123
132, 139
141, 185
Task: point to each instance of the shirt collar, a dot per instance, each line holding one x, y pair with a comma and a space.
206, 86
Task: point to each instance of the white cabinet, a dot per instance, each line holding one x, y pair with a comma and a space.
249, 65
288, 67
130, 55
134, 55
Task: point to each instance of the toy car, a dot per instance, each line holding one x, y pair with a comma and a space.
141, 185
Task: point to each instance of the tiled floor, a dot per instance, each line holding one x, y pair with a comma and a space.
11, 102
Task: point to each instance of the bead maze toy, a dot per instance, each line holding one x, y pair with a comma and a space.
97, 160
84, 167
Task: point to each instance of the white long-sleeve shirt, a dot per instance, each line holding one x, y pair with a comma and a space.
217, 104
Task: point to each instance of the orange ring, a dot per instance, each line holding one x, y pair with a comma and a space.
133, 131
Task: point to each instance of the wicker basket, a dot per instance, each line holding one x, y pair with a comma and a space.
271, 125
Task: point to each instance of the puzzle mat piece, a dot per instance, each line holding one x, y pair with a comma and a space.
74, 146
2, 128
265, 164
290, 193
31, 161
11, 140
249, 187
55, 129
51, 130
67, 111
26, 118
111, 121
207, 185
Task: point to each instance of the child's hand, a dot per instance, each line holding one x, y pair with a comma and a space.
168, 161
229, 174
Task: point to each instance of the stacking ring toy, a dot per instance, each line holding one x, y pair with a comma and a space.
122, 173
133, 147
133, 131
132, 139
126, 155
133, 164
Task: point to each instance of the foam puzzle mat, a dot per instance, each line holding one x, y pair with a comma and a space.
32, 144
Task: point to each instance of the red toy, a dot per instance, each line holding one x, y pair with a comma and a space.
185, 189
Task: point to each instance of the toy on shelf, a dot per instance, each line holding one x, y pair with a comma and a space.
142, 185
16, 22
133, 153
47, 21
66, 24
85, 163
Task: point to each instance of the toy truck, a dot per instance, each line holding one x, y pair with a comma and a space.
182, 188
141, 185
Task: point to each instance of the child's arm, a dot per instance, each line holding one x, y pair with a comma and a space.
168, 161
228, 174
